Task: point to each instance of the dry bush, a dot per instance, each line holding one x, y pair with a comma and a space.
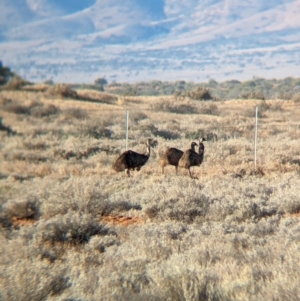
210, 109
96, 132
4, 101
44, 111
137, 116
195, 209
17, 109
36, 282
194, 135
171, 107
30, 145
96, 96
71, 228
35, 109
84, 154
34, 157
61, 91
296, 98
220, 237
291, 206
24, 208
253, 95
263, 108
15, 83
198, 93
76, 113
151, 129
36, 87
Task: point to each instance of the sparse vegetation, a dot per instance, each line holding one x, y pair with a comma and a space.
71, 228
257, 88
166, 105
62, 91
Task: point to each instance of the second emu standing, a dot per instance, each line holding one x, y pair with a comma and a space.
191, 158
172, 156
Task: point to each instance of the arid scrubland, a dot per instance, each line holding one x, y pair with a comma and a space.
71, 228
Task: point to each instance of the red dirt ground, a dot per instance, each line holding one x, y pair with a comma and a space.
121, 220
21, 222
292, 215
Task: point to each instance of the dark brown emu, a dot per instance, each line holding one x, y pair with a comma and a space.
191, 158
172, 156
130, 160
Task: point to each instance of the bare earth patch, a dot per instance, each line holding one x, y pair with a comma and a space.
23, 222
292, 215
121, 220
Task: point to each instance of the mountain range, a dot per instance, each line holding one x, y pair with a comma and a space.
137, 40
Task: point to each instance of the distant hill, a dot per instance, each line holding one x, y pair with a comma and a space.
132, 40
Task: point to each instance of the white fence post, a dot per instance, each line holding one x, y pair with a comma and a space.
255, 140
126, 130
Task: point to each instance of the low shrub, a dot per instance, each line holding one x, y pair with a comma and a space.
200, 93
296, 98
15, 83
24, 208
72, 228
179, 108
35, 109
17, 109
195, 135
210, 109
96, 132
62, 91
137, 116
253, 95
44, 111
76, 113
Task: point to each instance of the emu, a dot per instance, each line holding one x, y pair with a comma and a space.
130, 160
172, 156
191, 158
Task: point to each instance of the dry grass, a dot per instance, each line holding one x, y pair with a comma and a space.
73, 229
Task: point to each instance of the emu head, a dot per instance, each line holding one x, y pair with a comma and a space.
193, 144
151, 142
202, 139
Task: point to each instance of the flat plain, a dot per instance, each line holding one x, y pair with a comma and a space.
71, 228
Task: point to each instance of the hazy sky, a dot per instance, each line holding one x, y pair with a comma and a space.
141, 40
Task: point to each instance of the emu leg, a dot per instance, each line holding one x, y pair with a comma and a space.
128, 172
176, 169
191, 175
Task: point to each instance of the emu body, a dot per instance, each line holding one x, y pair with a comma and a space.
191, 158
131, 160
172, 156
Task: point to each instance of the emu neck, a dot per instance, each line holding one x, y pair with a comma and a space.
148, 151
201, 149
